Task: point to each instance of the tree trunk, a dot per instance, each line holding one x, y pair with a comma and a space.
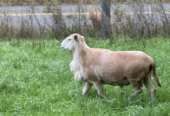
105, 23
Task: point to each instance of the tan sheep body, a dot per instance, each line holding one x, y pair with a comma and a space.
98, 66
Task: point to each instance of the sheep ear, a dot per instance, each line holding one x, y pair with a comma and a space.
82, 37
76, 37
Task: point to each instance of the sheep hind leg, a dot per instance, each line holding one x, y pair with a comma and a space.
86, 88
137, 87
149, 86
99, 88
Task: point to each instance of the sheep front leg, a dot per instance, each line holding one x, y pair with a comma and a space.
99, 88
86, 88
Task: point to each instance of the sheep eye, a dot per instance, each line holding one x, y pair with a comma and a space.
69, 39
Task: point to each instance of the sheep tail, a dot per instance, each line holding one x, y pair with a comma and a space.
152, 67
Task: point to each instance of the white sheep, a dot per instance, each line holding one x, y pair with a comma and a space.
98, 66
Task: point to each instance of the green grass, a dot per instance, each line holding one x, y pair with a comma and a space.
35, 80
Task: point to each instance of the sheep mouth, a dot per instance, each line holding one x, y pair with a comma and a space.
62, 48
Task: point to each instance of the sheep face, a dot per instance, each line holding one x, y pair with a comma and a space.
69, 42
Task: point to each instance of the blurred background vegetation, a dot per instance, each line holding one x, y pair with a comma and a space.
140, 26
20, 2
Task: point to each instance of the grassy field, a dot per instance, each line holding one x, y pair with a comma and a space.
35, 80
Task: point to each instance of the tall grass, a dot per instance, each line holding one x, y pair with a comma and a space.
35, 79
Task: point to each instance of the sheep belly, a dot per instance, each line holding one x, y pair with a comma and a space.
122, 82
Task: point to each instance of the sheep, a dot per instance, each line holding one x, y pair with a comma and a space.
97, 66
95, 17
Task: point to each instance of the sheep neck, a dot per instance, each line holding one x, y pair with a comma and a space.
80, 52
76, 65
